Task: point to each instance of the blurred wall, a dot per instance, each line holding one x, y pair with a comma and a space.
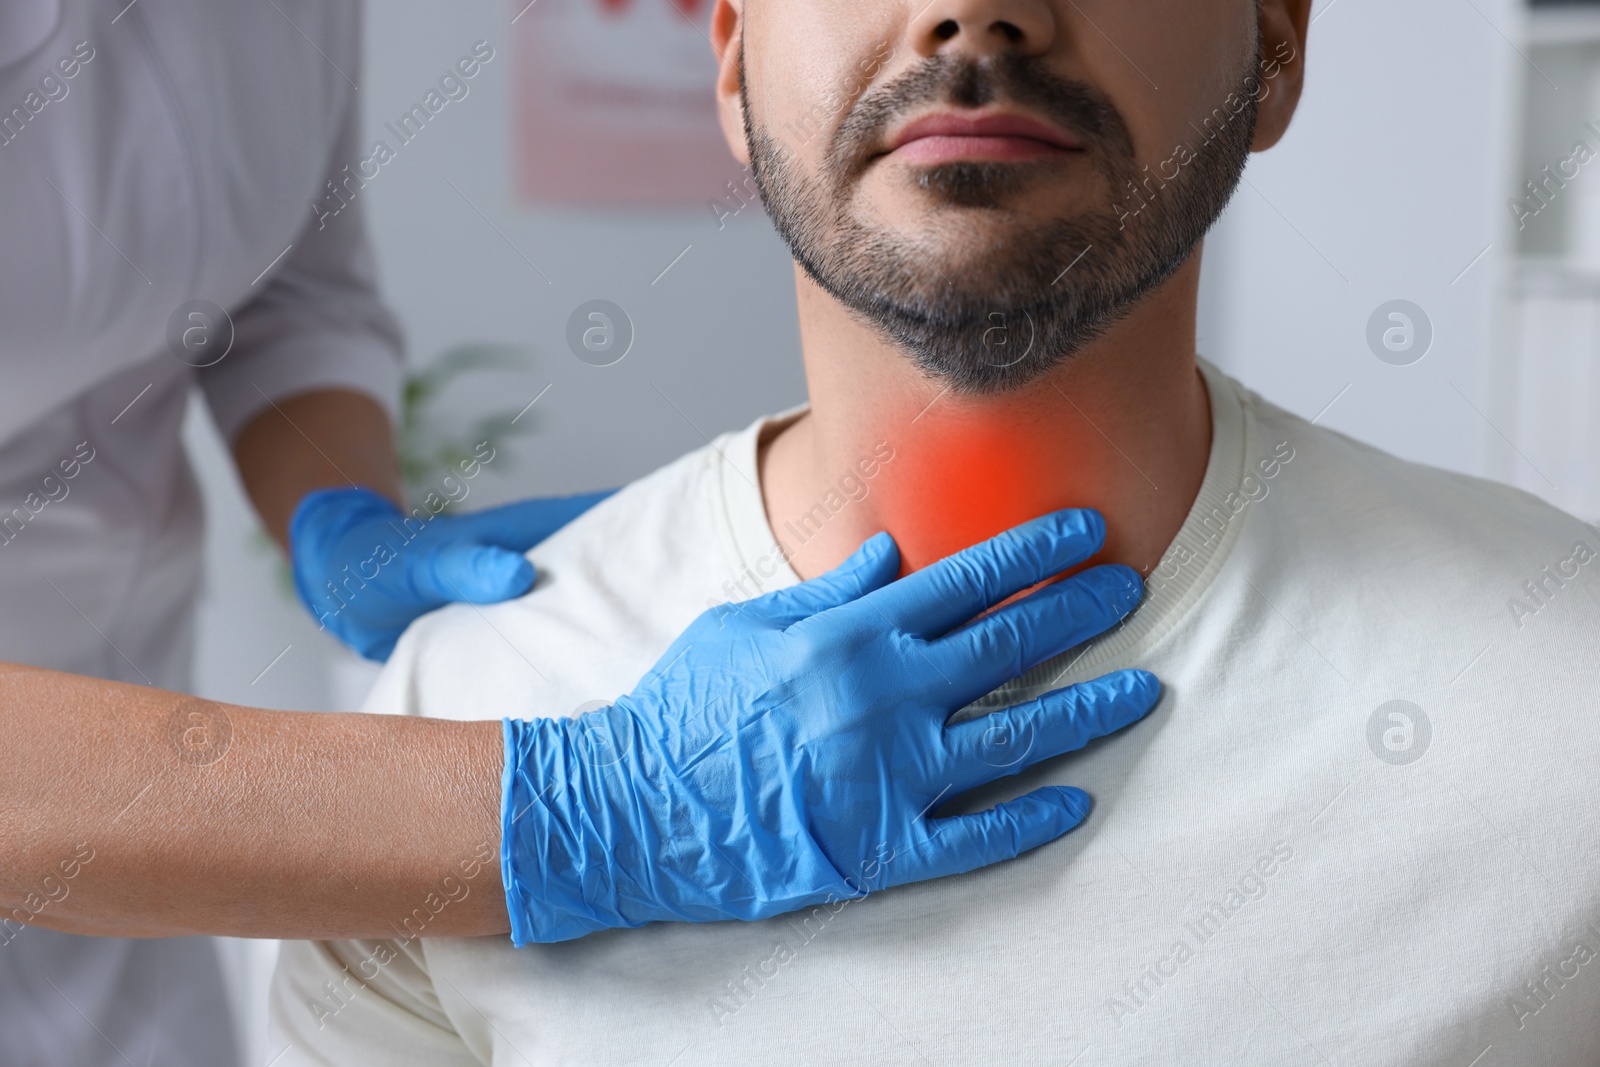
1388, 186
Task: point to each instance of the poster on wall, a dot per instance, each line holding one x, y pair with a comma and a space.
615, 104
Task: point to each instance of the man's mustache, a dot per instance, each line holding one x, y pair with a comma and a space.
1077, 107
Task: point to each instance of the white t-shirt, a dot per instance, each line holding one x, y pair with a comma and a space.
1282, 866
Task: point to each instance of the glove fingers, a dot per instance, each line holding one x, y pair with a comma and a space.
522, 525
966, 842
1012, 640
476, 574
870, 567
1012, 739
937, 599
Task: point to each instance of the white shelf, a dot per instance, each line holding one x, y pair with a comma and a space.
1578, 24
1544, 276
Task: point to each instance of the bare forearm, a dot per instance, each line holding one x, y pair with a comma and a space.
131, 811
316, 440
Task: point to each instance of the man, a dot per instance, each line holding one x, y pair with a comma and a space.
1360, 826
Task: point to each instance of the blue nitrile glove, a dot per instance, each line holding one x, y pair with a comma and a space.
786, 751
365, 569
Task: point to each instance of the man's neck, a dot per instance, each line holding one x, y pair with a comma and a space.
1123, 426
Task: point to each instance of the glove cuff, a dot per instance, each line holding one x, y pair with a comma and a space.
557, 876
516, 901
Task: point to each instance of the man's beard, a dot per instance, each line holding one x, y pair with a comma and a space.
1037, 297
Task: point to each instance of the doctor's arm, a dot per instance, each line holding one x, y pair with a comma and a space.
307, 396
128, 811
307, 390
320, 468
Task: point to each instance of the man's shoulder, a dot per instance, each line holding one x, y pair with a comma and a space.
613, 588
1347, 488
1381, 559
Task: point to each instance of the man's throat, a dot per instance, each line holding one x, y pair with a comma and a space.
962, 477
1124, 426
956, 474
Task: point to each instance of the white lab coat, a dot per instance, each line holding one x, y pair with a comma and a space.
152, 154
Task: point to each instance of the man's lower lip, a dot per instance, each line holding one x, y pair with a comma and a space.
930, 151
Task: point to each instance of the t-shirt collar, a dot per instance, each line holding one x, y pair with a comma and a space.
1190, 563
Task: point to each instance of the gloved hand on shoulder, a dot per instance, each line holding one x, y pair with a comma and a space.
365, 569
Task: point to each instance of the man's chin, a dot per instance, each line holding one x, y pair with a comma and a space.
1039, 192
953, 274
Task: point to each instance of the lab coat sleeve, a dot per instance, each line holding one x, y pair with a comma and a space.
318, 323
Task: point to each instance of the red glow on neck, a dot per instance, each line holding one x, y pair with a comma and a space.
961, 478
